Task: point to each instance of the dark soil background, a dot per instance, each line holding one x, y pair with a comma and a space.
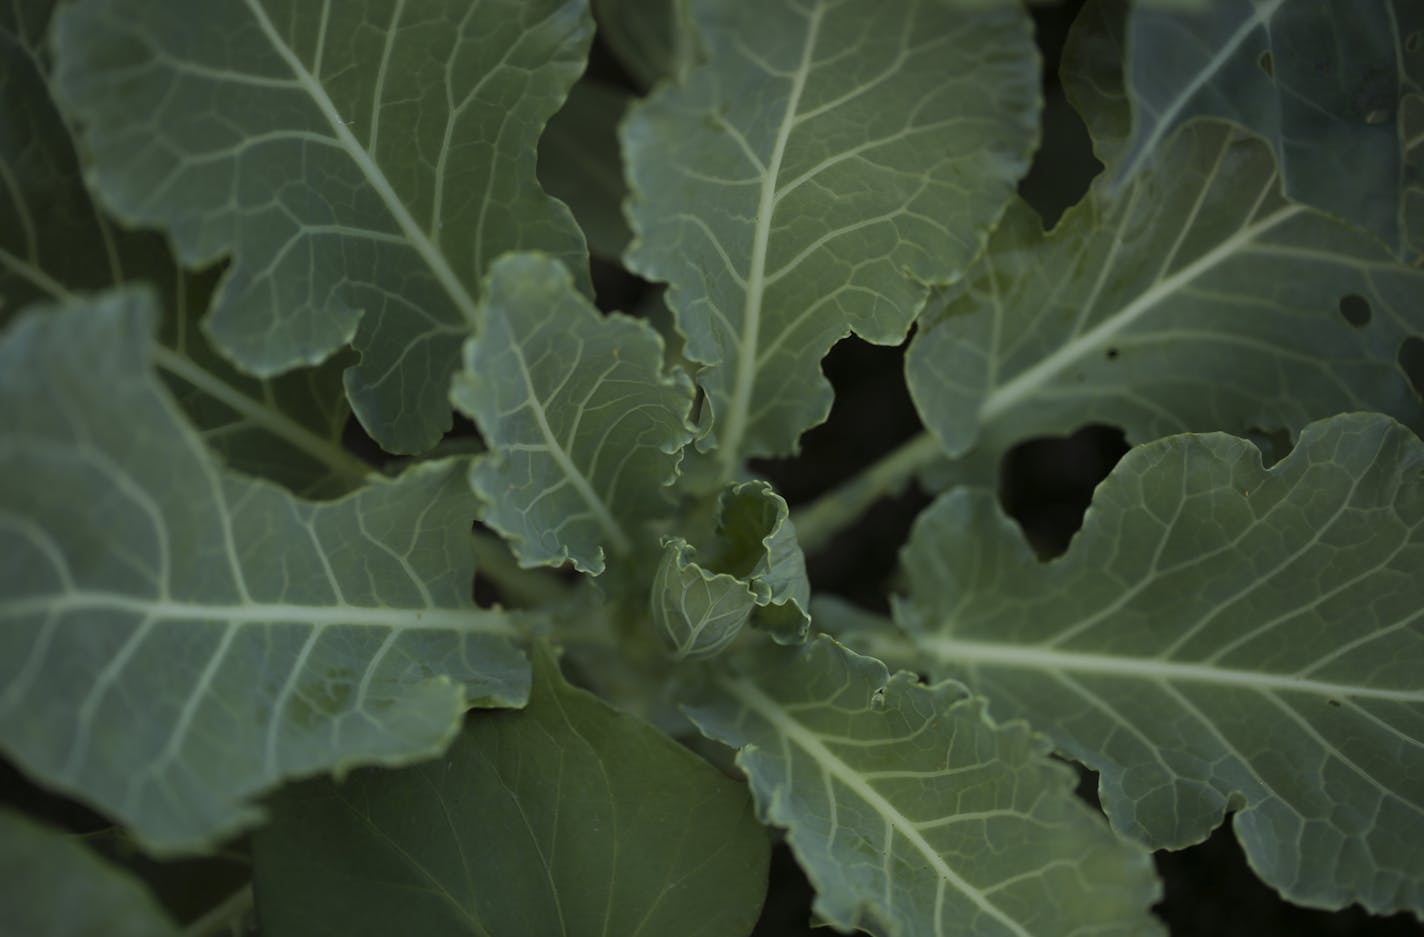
1045, 485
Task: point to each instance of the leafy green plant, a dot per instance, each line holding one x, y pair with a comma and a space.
255, 256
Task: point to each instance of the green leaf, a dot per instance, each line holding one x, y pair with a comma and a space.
1411, 131
362, 162
52, 886
650, 38
579, 163
1199, 298
1322, 81
809, 179
54, 243
175, 640
585, 428
914, 815
698, 612
1218, 636
566, 817
750, 569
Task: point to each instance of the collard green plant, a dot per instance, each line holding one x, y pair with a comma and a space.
570, 666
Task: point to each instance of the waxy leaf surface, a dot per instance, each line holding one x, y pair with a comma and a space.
1198, 298
55, 243
826, 162
175, 640
1219, 636
361, 161
52, 885
585, 429
1323, 82
914, 815
567, 817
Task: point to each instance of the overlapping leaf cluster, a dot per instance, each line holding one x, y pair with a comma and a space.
236, 236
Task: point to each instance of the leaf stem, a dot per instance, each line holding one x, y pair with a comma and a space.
343, 464
518, 587
823, 518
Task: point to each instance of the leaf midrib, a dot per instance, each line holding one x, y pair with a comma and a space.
1028, 382
471, 620
769, 709
601, 513
739, 408
1144, 151
957, 651
373, 173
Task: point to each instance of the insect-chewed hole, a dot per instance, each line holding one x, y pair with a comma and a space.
1355, 309
1411, 362
1267, 64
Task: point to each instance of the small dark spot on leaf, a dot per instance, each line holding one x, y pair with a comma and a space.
1414, 42
1112, 354
1355, 309
1267, 65
1333, 702
1411, 361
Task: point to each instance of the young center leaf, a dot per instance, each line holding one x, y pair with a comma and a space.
55, 243
175, 640
1198, 297
584, 428
52, 885
826, 162
750, 570
1323, 82
890, 791
567, 817
1219, 635
362, 162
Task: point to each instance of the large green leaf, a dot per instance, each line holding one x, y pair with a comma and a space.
826, 162
1199, 298
585, 429
914, 815
52, 886
175, 640
1218, 636
362, 162
565, 818
54, 243
1322, 81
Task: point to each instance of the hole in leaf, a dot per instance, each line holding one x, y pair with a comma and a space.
1111, 354
1275, 444
1355, 309
1411, 361
1046, 484
1267, 64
